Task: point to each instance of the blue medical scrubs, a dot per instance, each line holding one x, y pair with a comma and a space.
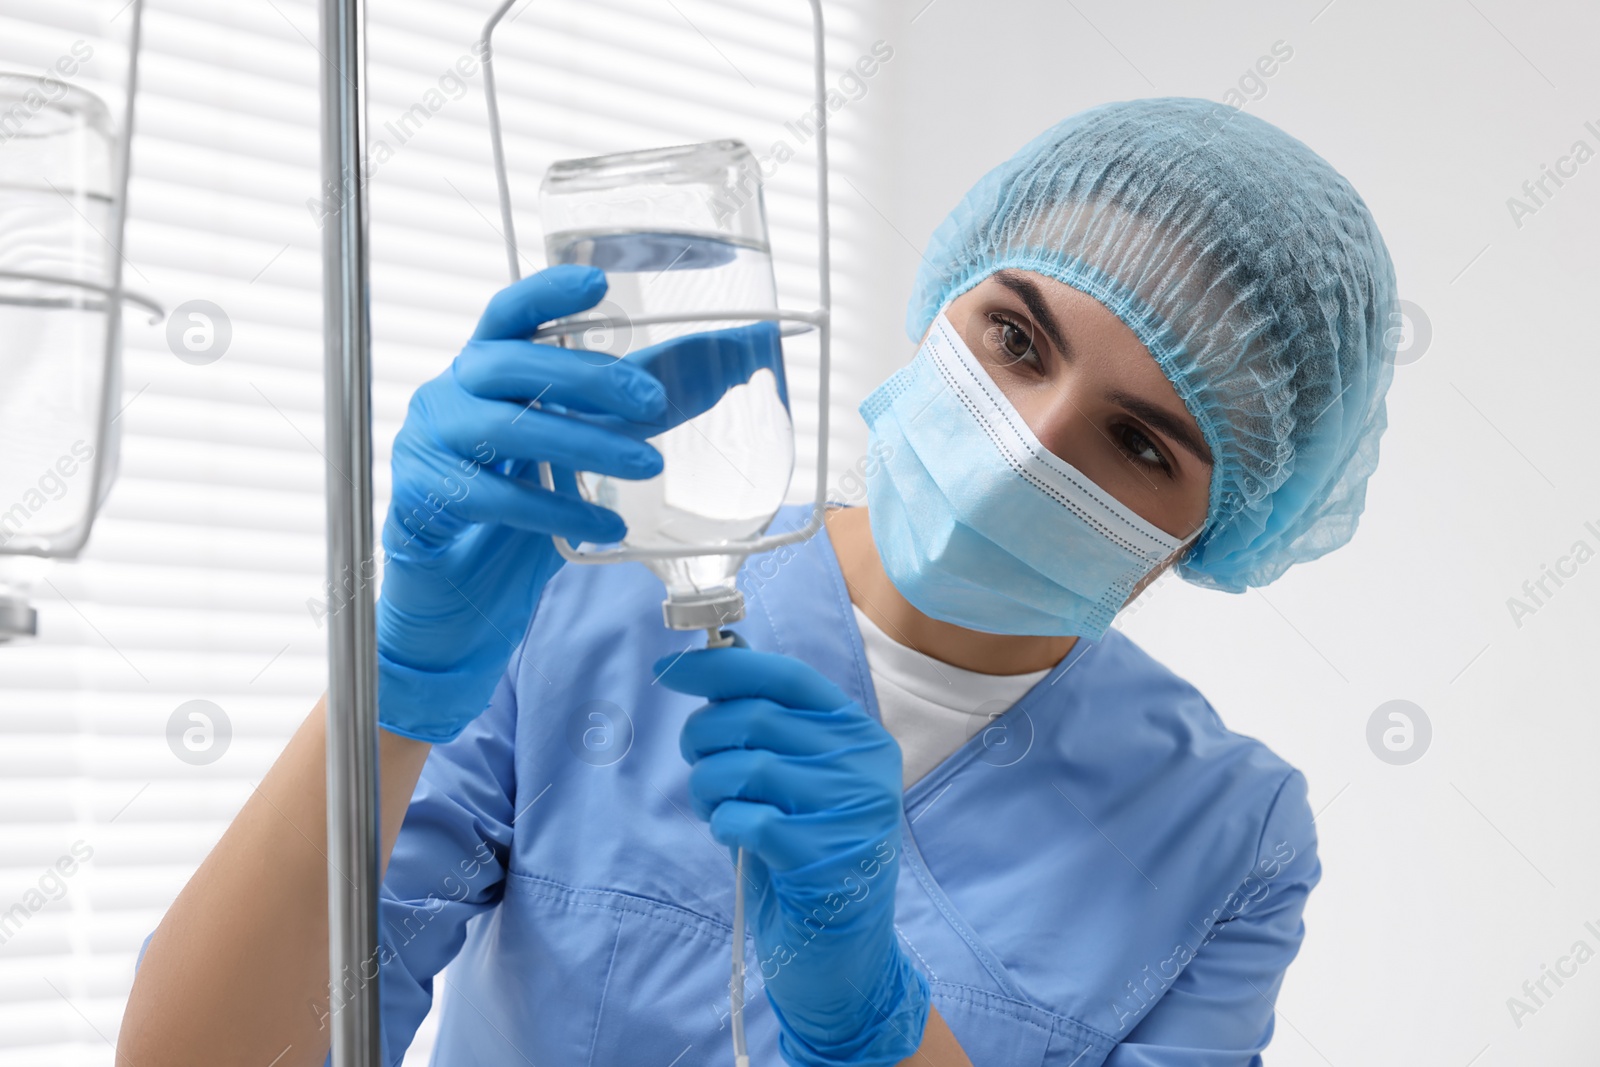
1106, 874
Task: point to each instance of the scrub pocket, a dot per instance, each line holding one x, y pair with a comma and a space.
1001, 1031
527, 985
609, 978
666, 999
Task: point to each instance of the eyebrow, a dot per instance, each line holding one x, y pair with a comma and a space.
1157, 417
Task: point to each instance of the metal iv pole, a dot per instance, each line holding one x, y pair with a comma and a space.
352, 639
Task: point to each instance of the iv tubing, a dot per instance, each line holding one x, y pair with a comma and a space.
741, 1055
719, 638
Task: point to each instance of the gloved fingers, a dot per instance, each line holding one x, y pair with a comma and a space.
726, 673
806, 853
494, 498
564, 478
754, 722
437, 494
763, 831
522, 307
524, 371
794, 785
470, 425
527, 470
697, 369
694, 372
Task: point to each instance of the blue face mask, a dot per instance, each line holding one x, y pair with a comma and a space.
980, 525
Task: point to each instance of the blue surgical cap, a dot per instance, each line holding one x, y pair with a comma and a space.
1252, 272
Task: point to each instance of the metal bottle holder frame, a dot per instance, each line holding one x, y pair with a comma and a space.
820, 319
16, 617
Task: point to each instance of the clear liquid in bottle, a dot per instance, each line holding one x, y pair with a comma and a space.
726, 469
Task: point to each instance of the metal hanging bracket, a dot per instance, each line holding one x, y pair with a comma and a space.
820, 319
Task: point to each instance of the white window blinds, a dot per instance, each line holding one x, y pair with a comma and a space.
197, 581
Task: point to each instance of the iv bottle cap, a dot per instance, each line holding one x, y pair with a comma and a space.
703, 612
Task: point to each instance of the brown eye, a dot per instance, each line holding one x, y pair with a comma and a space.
1142, 450
1011, 343
1015, 342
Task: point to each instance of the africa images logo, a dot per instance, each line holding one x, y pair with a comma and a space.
1538, 592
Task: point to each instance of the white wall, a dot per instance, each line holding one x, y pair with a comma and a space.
1450, 881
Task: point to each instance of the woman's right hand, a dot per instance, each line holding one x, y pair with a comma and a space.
467, 547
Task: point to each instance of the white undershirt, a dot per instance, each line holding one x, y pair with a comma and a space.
930, 707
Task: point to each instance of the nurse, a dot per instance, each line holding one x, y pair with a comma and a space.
982, 826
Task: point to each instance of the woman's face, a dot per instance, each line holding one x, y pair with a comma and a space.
1091, 392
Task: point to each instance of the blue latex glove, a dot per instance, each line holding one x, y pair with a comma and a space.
467, 537
468, 546
809, 784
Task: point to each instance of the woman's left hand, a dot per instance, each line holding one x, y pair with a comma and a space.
788, 768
